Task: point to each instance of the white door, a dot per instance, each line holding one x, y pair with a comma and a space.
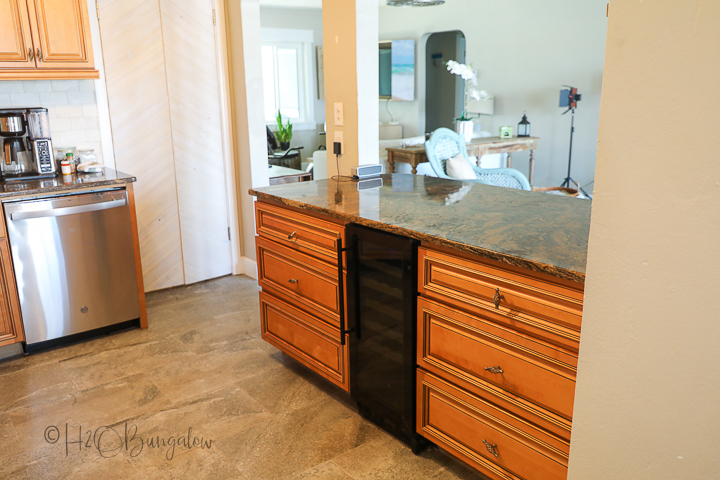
190, 57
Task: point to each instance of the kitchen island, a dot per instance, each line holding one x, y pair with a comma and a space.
36, 193
500, 279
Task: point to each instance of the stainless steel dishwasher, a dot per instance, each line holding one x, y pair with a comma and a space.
74, 264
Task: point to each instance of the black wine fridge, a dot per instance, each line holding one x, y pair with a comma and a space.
381, 293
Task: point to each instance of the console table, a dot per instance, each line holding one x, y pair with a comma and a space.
478, 147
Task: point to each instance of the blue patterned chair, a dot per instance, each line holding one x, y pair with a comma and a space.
445, 144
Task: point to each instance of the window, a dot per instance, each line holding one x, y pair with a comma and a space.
287, 76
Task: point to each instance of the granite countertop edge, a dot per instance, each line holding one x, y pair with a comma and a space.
67, 187
559, 272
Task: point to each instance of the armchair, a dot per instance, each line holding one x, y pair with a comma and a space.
445, 144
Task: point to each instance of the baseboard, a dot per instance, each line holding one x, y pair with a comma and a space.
11, 350
249, 267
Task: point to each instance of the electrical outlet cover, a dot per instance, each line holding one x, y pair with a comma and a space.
338, 114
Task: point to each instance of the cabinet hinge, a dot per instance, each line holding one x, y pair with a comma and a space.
213, 16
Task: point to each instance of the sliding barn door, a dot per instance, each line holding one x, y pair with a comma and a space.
136, 80
161, 70
189, 39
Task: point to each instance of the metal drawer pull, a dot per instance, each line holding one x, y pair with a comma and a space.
491, 447
39, 55
497, 297
31, 54
495, 370
293, 280
292, 235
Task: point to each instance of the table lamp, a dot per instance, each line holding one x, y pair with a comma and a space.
482, 107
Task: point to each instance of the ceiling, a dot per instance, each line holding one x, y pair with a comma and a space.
292, 3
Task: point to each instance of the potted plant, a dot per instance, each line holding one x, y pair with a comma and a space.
284, 132
464, 124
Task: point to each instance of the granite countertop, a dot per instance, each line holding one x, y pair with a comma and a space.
22, 188
538, 231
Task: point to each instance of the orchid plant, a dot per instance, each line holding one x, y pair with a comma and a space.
469, 77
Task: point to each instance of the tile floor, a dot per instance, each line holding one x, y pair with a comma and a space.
112, 407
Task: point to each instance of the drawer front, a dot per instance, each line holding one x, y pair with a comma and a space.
302, 233
494, 441
304, 338
536, 306
307, 281
478, 352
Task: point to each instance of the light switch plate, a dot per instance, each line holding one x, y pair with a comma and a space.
339, 138
338, 115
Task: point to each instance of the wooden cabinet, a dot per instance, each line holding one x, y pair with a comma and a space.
497, 359
11, 330
301, 301
45, 39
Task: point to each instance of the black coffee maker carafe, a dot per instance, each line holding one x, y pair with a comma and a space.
26, 145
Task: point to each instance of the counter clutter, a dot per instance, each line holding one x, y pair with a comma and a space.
499, 291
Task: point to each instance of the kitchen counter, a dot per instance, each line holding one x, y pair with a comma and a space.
77, 181
541, 232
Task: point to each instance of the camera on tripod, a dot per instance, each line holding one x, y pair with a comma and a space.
569, 98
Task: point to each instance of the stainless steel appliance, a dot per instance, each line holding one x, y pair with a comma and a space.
382, 285
27, 147
74, 264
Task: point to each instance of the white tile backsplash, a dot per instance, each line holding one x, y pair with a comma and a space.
71, 105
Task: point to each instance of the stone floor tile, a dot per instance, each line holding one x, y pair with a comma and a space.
294, 442
196, 465
95, 369
183, 379
222, 330
90, 409
387, 457
64, 352
324, 471
9, 438
53, 462
33, 386
210, 418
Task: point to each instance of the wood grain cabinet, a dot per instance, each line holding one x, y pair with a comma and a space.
45, 39
497, 360
11, 330
301, 300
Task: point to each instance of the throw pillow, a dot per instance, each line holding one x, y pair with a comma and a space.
459, 168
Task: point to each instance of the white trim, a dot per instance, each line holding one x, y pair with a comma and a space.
249, 267
289, 35
101, 96
227, 125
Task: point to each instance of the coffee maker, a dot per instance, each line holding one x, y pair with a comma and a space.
26, 146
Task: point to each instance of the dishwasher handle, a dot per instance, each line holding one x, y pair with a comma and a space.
59, 212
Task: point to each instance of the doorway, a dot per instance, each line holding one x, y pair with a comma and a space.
443, 92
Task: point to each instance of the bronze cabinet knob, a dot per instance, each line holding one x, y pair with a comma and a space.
495, 370
492, 448
293, 280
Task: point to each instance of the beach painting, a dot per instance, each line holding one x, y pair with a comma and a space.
403, 70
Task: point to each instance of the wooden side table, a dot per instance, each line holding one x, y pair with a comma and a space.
478, 147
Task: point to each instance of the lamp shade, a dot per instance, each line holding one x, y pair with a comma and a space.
482, 107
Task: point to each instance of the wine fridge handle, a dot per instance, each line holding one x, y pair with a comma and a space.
341, 289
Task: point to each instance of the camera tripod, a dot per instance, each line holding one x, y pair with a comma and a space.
569, 180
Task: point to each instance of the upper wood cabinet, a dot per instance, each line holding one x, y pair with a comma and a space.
45, 39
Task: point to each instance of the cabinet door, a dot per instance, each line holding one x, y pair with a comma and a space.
16, 45
11, 330
62, 33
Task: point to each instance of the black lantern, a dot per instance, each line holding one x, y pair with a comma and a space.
523, 127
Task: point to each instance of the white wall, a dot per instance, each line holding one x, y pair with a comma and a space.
302, 19
647, 403
524, 51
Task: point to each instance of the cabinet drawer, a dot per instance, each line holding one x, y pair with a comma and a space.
472, 429
527, 303
477, 351
306, 281
305, 338
302, 233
